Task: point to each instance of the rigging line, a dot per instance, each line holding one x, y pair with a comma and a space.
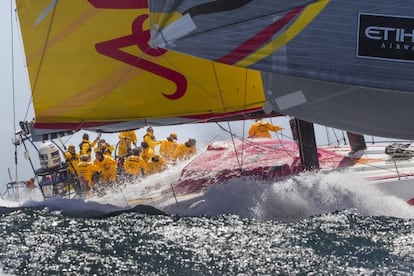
195, 82
336, 136
252, 143
189, 78
116, 83
44, 50
12, 66
14, 98
20, 41
365, 163
343, 137
112, 88
289, 152
240, 162
13, 94
244, 121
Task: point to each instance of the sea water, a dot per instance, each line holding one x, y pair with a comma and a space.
312, 224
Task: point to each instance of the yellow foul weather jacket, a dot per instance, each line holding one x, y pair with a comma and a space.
108, 168
147, 153
262, 129
126, 138
150, 139
183, 152
86, 148
87, 170
167, 149
135, 165
72, 161
156, 166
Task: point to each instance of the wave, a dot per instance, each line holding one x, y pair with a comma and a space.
295, 198
291, 199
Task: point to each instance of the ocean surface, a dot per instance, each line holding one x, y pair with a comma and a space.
311, 224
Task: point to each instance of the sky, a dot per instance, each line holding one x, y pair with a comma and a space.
15, 106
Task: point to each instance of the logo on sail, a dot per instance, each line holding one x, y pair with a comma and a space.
386, 37
140, 38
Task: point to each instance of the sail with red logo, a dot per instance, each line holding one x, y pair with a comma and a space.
91, 67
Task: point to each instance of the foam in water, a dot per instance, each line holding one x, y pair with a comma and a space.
293, 198
298, 197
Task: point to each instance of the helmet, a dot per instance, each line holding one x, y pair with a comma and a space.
84, 157
85, 136
174, 135
150, 129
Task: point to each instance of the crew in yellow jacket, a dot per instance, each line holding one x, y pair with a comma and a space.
134, 164
87, 169
156, 165
105, 147
168, 147
185, 151
261, 129
147, 152
107, 165
86, 146
149, 138
126, 138
72, 159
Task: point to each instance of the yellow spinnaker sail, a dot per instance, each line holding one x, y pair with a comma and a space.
90, 63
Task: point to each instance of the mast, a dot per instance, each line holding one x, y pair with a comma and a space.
304, 134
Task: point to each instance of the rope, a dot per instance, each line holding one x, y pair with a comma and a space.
43, 50
14, 97
239, 162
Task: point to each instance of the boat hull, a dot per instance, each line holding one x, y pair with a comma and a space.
276, 160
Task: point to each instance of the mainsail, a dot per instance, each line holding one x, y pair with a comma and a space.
91, 67
345, 64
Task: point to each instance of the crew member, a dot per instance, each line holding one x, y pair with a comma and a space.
149, 138
147, 152
168, 147
107, 166
156, 164
126, 138
261, 129
88, 171
86, 145
185, 151
105, 147
72, 159
134, 164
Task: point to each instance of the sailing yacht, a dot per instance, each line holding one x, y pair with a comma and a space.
108, 66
